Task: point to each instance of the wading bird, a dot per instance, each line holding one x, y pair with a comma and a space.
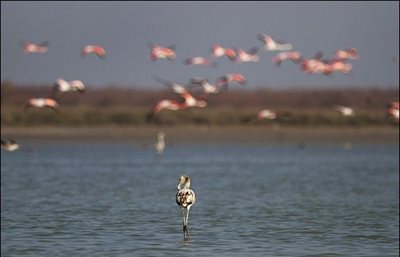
185, 198
160, 144
9, 145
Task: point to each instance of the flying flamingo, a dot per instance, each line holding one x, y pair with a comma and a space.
61, 86
205, 84
95, 49
231, 54
271, 45
340, 66
200, 61
393, 110
343, 54
158, 52
42, 103
294, 56
266, 114
344, 110
217, 51
231, 77
185, 198
167, 104
189, 101
30, 48
175, 87
249, 56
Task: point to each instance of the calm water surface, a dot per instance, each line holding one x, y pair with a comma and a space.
118, 199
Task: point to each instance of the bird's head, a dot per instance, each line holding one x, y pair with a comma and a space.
183, 181
161, 135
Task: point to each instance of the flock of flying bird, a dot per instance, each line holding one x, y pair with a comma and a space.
186, 92
185, 197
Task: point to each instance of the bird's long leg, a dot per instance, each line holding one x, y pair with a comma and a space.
185, 214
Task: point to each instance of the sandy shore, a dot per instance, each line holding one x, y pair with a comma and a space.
205, 134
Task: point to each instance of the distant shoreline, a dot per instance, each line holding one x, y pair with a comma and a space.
210, 134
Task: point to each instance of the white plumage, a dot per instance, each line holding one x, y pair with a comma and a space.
185, 198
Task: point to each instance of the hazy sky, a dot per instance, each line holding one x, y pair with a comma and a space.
125, 28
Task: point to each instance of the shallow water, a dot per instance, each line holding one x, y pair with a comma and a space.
102, 199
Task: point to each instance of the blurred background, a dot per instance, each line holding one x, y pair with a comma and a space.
121, 88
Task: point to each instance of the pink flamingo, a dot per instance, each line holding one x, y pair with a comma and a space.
249, 56
205, 84
42, 103
175, 87
30, 48
344, 54
158, 52
189, 101
271, 45
344, 110
231, 54
61, 86
95, 49
266, 114
217, 51
200, 61
294, 56
393, 110
232, 77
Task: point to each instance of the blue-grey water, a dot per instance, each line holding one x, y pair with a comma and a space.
118, 199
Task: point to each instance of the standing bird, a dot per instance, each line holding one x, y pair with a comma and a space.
160, 144
185, 198
9, 145
95, 49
